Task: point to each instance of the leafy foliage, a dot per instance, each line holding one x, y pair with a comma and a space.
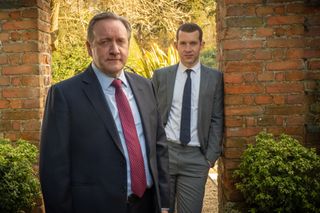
148, 61
208, 57
19, 184
279, 176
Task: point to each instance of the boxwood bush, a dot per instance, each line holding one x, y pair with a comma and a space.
279, 175
19, 185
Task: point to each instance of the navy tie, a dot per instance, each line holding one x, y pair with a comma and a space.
186, 111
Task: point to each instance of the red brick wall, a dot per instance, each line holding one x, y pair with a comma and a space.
24, 66
269, 51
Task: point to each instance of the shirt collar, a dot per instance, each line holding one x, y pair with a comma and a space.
195, 68
106, 80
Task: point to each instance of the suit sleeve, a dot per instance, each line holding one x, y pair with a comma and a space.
214, 149
162, 162
55, 154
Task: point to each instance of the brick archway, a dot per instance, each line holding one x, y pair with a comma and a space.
269, 51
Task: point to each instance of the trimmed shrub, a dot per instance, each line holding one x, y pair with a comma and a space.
19, 186
279, 175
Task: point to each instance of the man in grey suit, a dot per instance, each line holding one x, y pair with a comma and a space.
103, 146
190, 99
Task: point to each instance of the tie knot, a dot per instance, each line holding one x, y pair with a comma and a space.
188, 71
116, 83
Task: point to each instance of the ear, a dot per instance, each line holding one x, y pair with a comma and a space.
88, 45
175, 44
202, 44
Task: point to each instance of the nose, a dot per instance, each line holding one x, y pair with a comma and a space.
114, 49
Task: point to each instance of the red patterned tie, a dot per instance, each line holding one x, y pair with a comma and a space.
138, 176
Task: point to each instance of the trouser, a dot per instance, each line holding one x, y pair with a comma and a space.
188, 175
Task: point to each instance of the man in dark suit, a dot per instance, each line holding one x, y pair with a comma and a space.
190, 97
103, 146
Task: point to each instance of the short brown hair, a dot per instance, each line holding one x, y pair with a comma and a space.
105, 16
190, 27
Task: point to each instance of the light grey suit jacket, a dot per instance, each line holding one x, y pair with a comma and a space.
210, 109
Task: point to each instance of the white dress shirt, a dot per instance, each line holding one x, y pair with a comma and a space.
109, 92
173, 125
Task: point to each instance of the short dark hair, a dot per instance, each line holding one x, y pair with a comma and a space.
106, 16
189, 27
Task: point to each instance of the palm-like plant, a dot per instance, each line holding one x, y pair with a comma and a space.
148, 61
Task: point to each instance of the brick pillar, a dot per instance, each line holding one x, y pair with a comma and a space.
24, 66
269, 53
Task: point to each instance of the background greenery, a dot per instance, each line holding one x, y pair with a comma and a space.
279, 175
153, 32
19, 186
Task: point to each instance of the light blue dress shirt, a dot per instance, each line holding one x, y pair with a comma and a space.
172, 127
109, 93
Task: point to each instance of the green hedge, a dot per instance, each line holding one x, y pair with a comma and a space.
279, 175
19, 186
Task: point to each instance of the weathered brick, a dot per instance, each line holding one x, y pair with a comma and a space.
295, 99
236, 44
241, 132
21, 115
20, 25
233, 78
244, 22
14, 59
278, 43
233, 100
284, 110
15, 15
31, 125
279, 10
21, 47
312, 42
263, 54
3, 59
248, 100
266, 76
312, 31
242, 1
312, 53
243, 67
20, 92
296, 8
244, 110
30, 58
4, 104
244, 89
4, 36
265, 32
235, 142
30, 13
266, 120
295, 75
295, 120
279, 76
284, 87
286, 65
314, 65
17, 70
239, 10
4, 81
281, 20
233, 55
249, 77
263, 99
295, 53
264, 10
31, 135
312, 75
232, 122
279, 99
16, 104
251, 121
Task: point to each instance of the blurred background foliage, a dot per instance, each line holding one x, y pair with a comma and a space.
154, 26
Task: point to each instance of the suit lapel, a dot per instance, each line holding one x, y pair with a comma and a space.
204, 83
92, 89
171, 78
142, 104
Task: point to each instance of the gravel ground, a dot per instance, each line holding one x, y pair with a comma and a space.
210, 203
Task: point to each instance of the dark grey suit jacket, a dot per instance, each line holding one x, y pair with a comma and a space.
82, 165
210, 109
